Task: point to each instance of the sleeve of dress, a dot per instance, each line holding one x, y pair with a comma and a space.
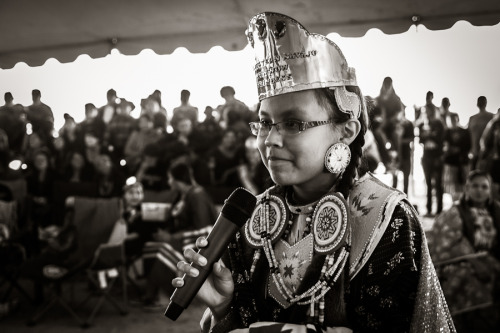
381, 297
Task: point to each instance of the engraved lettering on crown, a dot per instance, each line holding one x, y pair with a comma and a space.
261, 27
279, 29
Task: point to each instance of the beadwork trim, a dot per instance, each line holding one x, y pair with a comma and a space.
277, 211
330, 231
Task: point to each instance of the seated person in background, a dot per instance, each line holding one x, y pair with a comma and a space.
109, 178
39, 180
465, 248
151, 171
77, 169
191, 216
253, 173
137, 141
224, 160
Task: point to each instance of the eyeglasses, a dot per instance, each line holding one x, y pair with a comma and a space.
287, 127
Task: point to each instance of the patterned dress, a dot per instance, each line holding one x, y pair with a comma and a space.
380, 297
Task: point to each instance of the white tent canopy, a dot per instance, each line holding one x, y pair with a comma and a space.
33, 31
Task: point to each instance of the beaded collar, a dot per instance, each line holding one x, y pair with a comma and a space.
300, 210
331, 237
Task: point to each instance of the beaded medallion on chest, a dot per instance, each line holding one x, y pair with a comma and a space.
290, 236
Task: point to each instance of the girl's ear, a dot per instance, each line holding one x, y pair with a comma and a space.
350, 130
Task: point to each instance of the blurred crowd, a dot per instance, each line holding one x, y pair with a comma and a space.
211, 153
192, 160
450, 150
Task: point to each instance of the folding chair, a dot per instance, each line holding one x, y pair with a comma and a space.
56, 278
93, 220
107, 267
12, 254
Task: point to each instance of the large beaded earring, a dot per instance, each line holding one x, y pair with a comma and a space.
337, 157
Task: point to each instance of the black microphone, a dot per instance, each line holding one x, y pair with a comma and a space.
236, 211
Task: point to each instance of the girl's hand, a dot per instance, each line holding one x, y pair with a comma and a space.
217, 290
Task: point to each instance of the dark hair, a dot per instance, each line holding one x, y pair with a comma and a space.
225, 90
36, 93
111, 92
476, 174
481, 101
429, 94
185, 94
8, 97
181, 172
326, 98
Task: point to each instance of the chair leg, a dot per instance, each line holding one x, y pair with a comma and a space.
14, 284
123, 273
56, 298
38, 315
104, 295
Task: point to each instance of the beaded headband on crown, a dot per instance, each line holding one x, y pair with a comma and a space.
289, 58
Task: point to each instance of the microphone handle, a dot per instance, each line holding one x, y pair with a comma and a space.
217, 240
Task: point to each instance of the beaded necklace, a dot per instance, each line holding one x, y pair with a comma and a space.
320, 225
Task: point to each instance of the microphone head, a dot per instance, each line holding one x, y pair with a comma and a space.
238, 207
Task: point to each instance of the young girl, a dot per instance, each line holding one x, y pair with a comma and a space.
323, 250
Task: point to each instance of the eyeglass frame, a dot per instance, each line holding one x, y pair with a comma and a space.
304, 125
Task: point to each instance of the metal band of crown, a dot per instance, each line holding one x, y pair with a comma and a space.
289, 58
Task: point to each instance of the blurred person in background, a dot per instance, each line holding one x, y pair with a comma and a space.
151, 171
231, 103
119, 129
444, 111
185, 110
489, 155
13, 123
40, 116
209, 127
77, 169
40, 178
151, 107
465, 247
137, 141
406, 137
253, 173
431, 137
107, 111
110, 179
68, 132
91, 123
224, 160
476, 126
191, 216
456, 161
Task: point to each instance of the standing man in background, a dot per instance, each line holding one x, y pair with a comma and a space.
477, 124
431, 131
40, 116
185, 110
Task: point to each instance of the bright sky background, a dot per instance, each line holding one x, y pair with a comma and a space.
461, 63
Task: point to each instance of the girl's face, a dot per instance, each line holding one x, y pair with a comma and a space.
296, 159
479, 190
